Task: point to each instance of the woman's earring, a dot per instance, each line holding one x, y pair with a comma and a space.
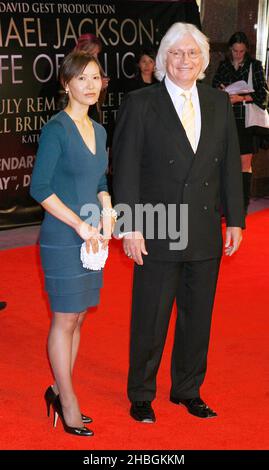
66, 92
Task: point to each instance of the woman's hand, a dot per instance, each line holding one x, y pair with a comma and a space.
240, 98
107, 224
235, 98
90, 235
248, 98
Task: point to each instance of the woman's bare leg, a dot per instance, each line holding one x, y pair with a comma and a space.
60, 344
75, 344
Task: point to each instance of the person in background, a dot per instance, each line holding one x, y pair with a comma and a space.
92, 45
176, 143
69, 173
145, 68
234, 68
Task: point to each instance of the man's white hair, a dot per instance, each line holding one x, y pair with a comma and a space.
174, 34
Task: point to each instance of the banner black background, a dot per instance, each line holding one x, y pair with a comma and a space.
34, 37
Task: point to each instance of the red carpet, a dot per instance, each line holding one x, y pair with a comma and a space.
237, 383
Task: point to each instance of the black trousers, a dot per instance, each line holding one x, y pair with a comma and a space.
155, 287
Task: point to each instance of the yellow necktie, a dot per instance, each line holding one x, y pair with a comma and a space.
188, 118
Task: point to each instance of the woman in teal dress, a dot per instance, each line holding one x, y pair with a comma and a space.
69, 174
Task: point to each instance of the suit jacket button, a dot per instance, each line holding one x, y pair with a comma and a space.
186, 185
171, 162
216, 159
205, 208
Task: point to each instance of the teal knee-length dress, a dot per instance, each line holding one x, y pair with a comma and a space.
66, 167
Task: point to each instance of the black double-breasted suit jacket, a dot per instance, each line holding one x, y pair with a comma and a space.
153, 162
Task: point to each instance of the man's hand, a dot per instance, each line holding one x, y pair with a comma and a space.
134, 246
233, 240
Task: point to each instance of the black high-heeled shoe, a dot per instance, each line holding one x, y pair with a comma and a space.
50, 396
58, 412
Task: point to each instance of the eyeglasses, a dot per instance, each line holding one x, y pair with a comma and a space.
192, 54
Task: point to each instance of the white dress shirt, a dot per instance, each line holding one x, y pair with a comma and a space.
178, 101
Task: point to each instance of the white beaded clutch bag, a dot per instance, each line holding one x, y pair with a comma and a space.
93, 261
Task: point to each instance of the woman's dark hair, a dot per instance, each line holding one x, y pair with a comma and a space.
72, 66
238, 37
147, 51
88, 42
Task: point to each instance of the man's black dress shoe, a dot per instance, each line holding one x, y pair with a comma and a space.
196, 406
3, 305
142, 411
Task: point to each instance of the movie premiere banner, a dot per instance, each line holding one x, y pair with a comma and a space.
34, 37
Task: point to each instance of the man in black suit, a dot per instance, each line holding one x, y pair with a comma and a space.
176, 143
